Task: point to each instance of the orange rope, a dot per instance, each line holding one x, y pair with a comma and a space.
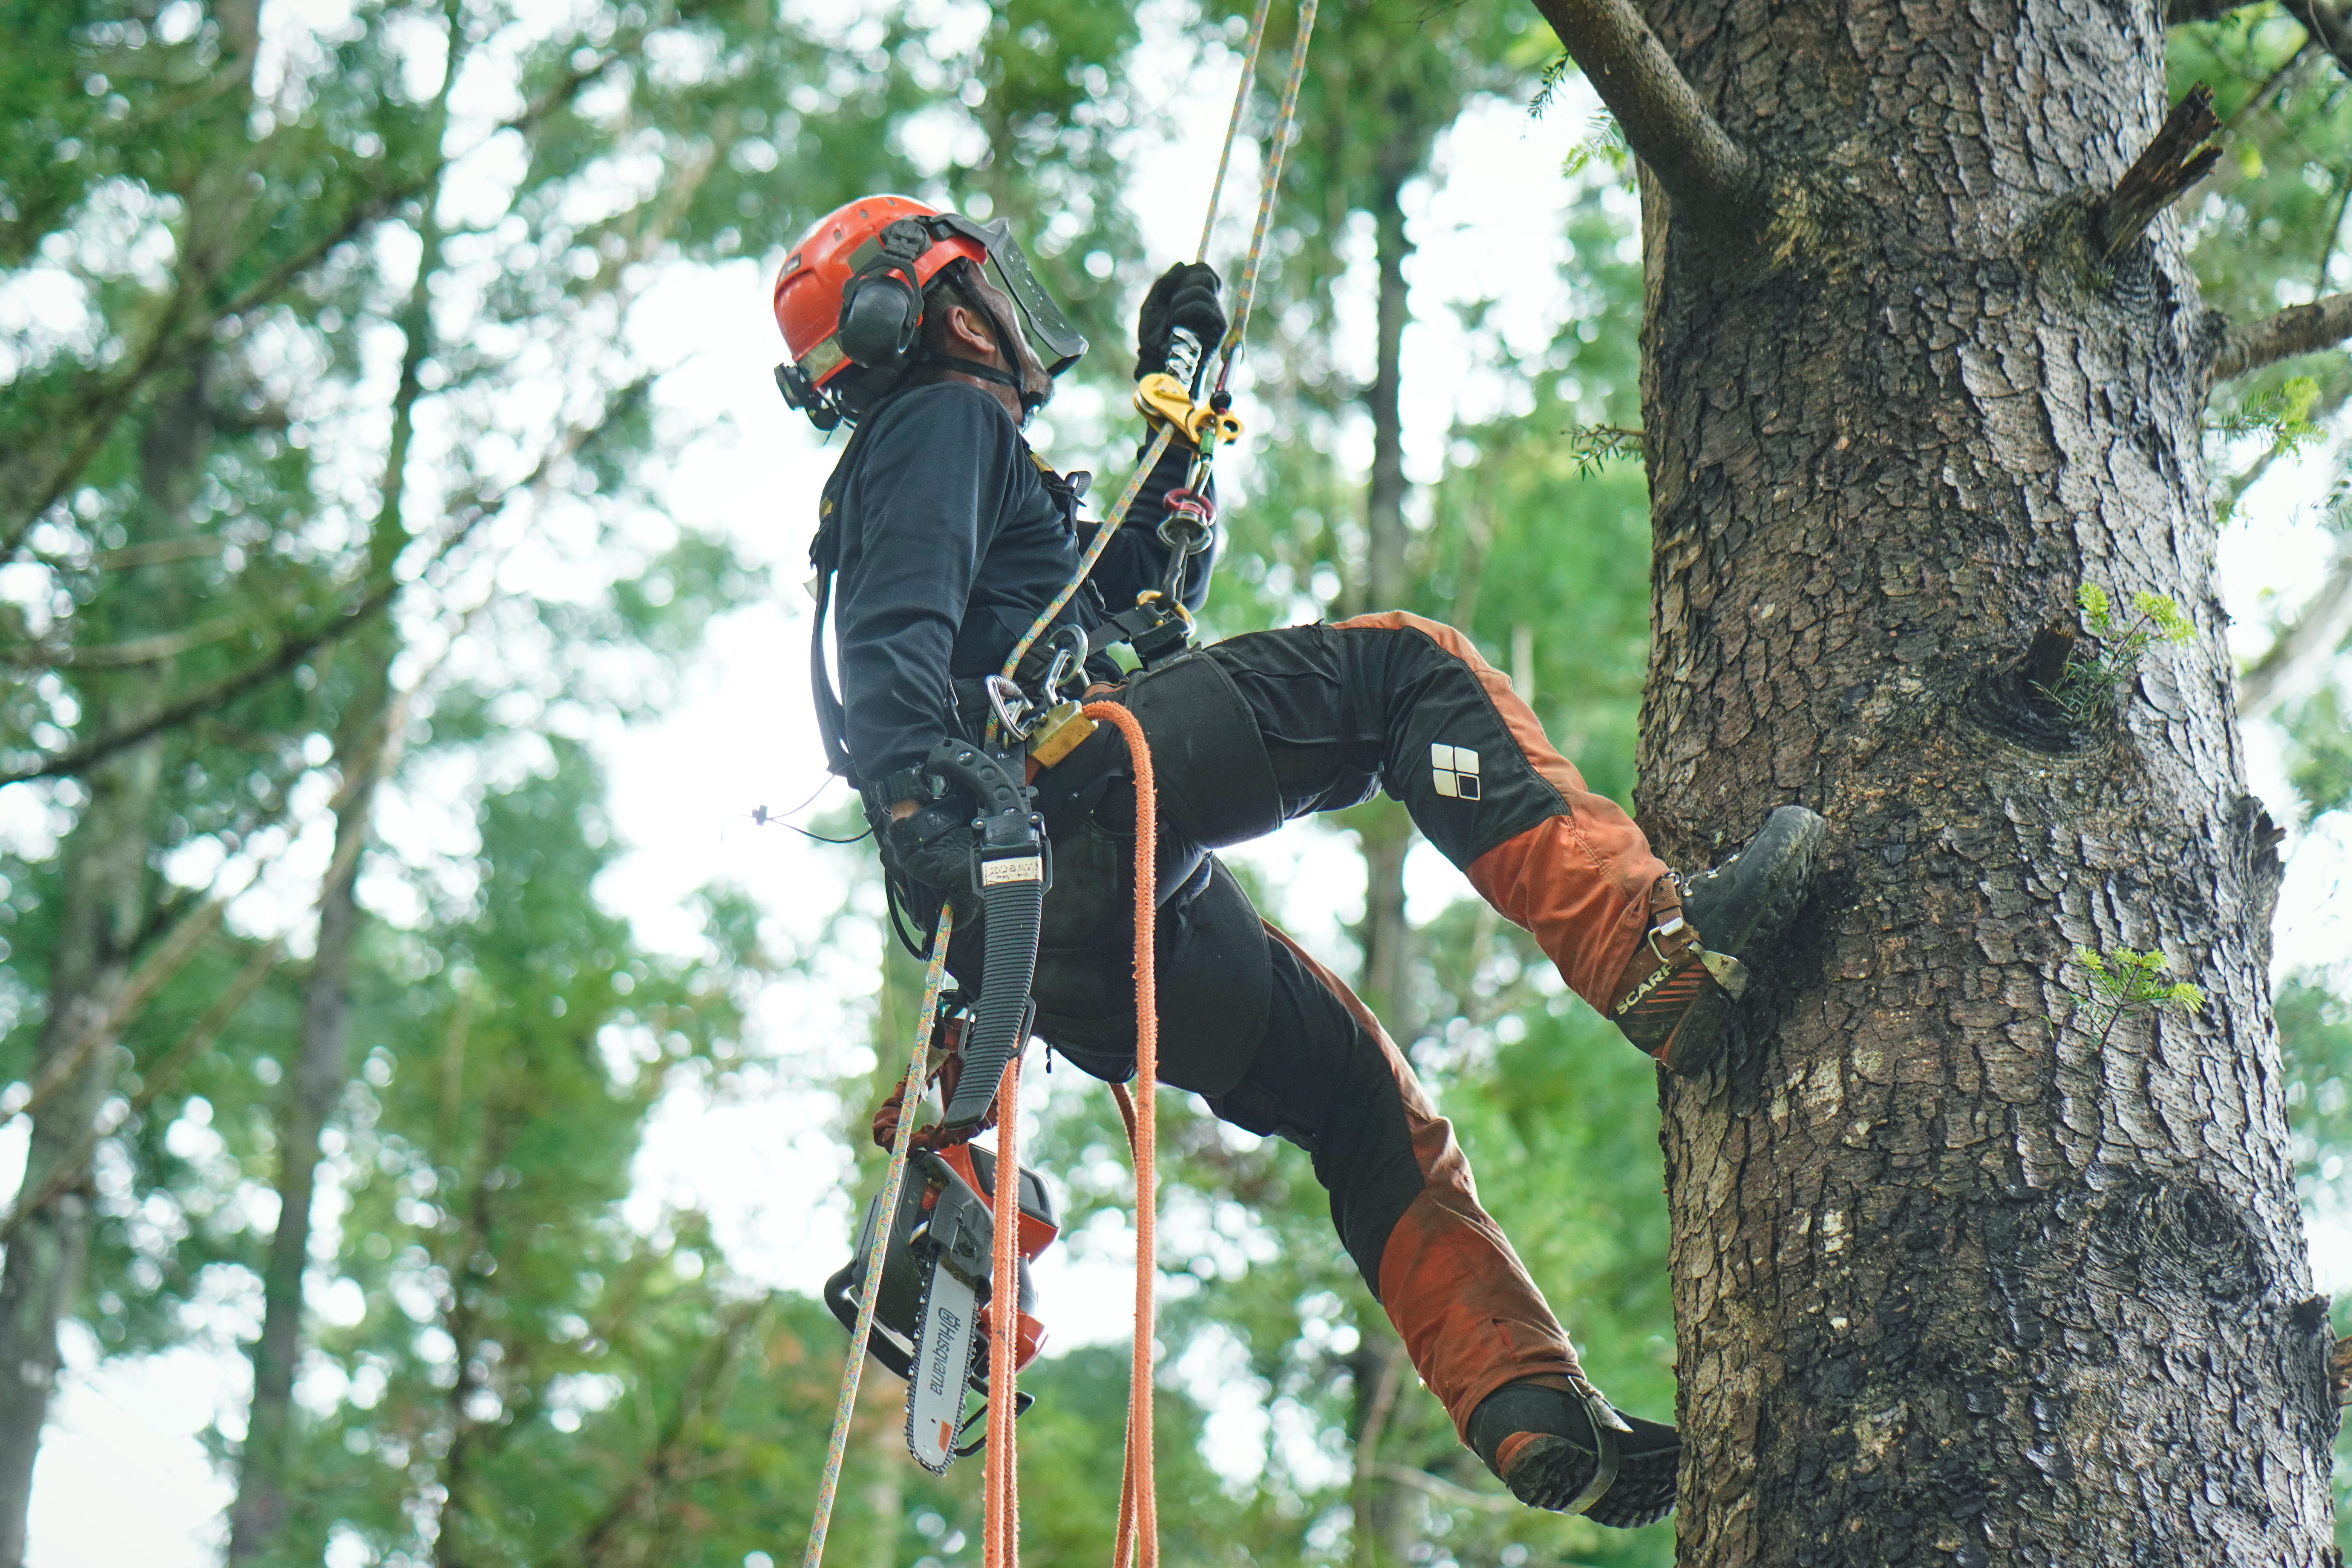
1139, 1505
1001, 1476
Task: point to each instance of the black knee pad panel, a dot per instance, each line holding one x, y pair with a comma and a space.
1216, 783
1214, 974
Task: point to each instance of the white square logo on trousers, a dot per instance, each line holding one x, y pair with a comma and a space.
1456, 771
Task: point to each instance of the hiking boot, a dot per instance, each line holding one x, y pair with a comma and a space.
1679, 989
1571, 1451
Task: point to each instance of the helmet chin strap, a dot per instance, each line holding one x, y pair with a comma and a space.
973, 367
1029, 401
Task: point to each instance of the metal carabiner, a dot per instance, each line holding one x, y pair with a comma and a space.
1069, 645
1014, 710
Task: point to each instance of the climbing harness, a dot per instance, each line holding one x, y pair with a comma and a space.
1030, 714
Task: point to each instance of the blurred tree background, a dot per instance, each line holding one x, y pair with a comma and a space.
332, 494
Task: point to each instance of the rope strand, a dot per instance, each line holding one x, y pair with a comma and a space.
1233, 125
1001, 1476
1139, 1504
911, 1088
1267, 189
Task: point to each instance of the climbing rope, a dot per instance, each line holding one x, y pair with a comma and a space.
1138, 1504
909, 1088
1285, 120
1001, 1474
1268, 187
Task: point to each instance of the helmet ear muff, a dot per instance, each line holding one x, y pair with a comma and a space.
880, 314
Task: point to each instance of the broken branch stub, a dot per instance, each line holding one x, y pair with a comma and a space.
2176, 160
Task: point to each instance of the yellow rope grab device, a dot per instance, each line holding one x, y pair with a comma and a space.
1167, 402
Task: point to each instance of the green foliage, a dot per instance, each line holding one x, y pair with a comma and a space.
2315, 1027
2090, 690
510, 1325
2123, 983
1605, 146
512, 1371
2319, 754
2284, 414
1589, 446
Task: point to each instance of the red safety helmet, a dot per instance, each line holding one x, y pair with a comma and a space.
850, 300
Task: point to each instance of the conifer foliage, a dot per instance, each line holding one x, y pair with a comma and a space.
332, 547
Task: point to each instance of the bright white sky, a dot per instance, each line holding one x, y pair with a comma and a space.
765, 1162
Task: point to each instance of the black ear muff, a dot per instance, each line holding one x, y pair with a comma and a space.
880, 314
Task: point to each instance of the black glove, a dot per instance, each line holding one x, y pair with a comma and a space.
932, 847
1185, 296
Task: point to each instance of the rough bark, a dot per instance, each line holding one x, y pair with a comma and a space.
1951, 1286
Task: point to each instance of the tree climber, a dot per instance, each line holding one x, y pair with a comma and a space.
946, 536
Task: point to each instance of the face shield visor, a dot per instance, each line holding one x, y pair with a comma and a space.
1057, 342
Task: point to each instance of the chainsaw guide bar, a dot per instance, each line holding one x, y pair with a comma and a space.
932, 1318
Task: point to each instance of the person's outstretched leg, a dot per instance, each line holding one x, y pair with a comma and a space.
1478, 1332
1398, 701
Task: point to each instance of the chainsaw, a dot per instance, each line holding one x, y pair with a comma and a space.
932, 1317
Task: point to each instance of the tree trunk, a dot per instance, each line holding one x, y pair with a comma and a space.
99, 922
321, 1070
105, 895
1385, 1518
1951, 1285
1384, 831
366, 744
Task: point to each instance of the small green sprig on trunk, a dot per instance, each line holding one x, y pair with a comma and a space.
2090, 690
1590, 445
2284, 414
2123, 983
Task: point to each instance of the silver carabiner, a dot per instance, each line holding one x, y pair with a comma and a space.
1069, 646
1013, 709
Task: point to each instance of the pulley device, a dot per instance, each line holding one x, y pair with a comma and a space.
915, 1292
935, 1311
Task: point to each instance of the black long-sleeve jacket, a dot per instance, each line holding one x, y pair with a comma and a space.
947, 537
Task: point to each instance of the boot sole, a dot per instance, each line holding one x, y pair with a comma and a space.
1553, 1472
1790, 847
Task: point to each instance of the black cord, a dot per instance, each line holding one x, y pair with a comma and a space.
762, 817
821, 838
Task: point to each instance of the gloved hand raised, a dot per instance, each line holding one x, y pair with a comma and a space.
1185, 296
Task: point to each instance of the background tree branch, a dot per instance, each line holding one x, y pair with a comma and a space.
2330, 27
153, 1082
291, 652
1710, 176
185, 322
2298, 329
